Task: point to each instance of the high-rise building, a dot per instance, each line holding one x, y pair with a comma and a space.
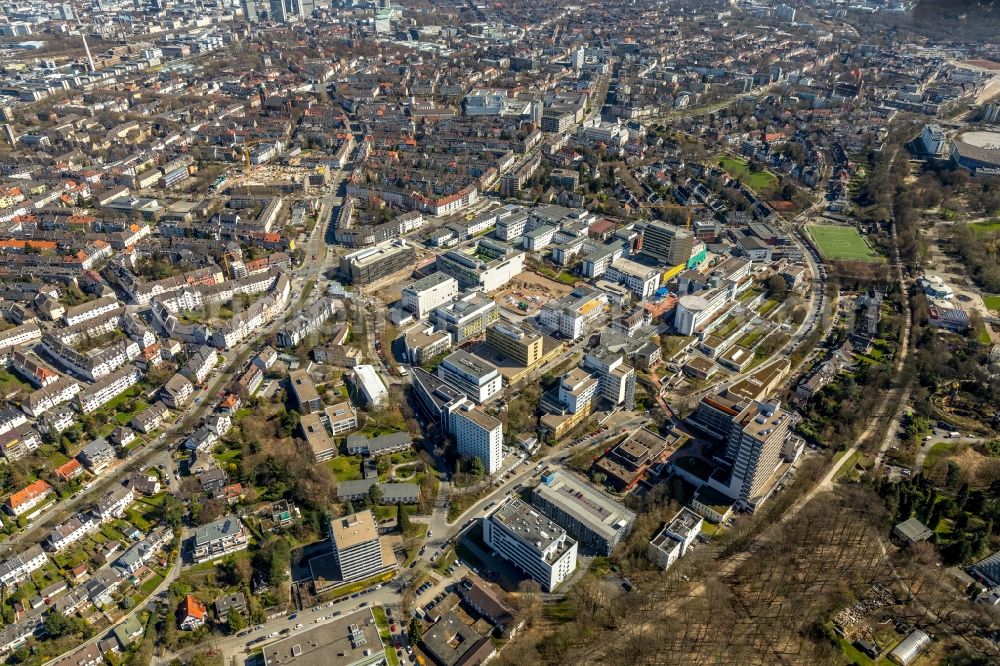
250, 11
532, 542
478, 435
758, 440
667, 244
277, 11
356, 546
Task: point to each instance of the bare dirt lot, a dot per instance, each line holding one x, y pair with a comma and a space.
526, 294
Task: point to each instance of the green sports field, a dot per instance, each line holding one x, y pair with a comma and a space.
838, 243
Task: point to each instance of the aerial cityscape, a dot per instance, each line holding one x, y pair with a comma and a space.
446, 332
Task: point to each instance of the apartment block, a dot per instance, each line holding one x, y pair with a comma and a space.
478, 435
217, 539
305, 393
341, 418
357, 549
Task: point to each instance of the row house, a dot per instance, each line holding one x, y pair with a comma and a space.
31, 368
250, 380
66, 534
95, 364
200, 365
19, 335
107, 389
11, 418
57, 419
63, 390
89, 310
310, 321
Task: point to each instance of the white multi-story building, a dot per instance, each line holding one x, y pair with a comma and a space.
107, 389
479, 379
341, 418
356, 546
366, 378
577, 390
616, 379
694, 311
18, 568
572, 315
428, 293
217, 539
532, 542
672, 542
478, 435
643, 281
512, 226
81, 313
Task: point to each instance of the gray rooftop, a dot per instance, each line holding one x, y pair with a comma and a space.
598, 512
220, 529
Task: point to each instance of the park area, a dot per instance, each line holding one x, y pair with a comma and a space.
840, 243
740, 169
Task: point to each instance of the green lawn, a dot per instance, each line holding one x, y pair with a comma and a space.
985, 227
345, 468
841, 243
937, 452
738, 168
992, 301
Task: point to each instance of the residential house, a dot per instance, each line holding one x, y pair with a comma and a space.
26, 499
191, 614
97, 455
176, 392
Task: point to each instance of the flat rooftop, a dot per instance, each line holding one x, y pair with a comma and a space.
351, 530
345, 641
597, 512
429, 282
470, 364
303, 386
528, 524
